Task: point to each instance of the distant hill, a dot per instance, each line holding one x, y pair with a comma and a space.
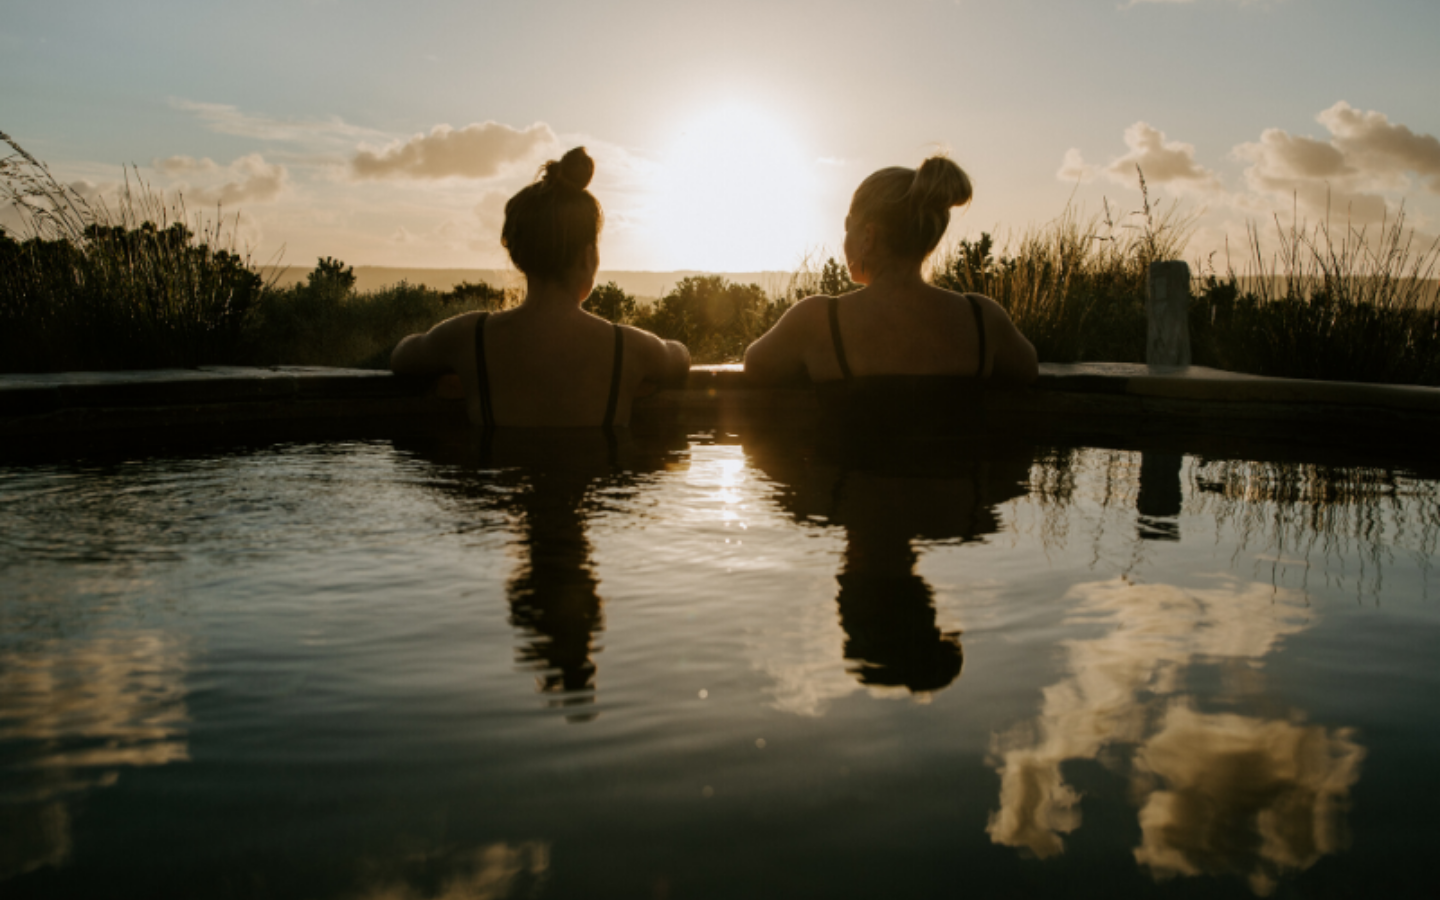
643, 285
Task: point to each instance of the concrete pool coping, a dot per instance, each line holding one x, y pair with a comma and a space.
1083, 397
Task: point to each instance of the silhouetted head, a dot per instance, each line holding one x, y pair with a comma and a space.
551, 223
909, 208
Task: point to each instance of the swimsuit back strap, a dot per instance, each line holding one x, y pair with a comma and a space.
834, 304
615, 376
482, 375
980, 330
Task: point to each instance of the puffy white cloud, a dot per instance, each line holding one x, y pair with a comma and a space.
480, 150
1167, 162
1359, 172
250, 179
1074, 168
1366, 156
1163, 161
1380, 147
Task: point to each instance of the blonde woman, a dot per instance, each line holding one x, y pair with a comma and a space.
898, 342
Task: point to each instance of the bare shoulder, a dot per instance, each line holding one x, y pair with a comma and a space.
811, 308
661, 361
437, 350
782, 353
1014, 361
802, 318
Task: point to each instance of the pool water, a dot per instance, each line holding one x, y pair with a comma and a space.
424, 664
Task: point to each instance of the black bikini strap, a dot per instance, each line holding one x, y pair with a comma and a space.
615, 376
482, 376
834, 303
980, 329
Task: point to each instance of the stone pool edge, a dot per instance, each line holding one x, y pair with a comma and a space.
1088, 397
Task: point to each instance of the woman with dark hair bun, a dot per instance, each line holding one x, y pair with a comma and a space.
898, 342
547, 362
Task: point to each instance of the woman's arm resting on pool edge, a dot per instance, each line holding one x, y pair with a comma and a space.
778, 355
1016, 363
665, 363
434, 352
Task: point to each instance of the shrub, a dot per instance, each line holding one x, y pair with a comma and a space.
609, 301
714, 317
98, 287
325, 322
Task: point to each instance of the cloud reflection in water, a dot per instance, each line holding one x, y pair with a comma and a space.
72, 715
1219, 793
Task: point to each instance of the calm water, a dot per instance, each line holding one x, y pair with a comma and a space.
715, 666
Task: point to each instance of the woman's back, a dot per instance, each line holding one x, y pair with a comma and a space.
920, 332
913, 331
543, 371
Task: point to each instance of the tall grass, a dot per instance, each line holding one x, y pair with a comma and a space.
1338, 304
1075, 286
97, 285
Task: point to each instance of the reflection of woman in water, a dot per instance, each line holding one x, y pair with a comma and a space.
898, 340
888, 613
886, 498
547, 362
547, 481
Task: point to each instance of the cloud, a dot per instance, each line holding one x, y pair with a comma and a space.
183, 165
490, 212
1155, 632
1380, 147
1231, 794
226, 119
1167, 162
1074, 168
1361, 169
475, 151
1366, 156
1163, 162
251, 179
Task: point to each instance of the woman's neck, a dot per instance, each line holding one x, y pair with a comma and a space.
896, 277
553, 296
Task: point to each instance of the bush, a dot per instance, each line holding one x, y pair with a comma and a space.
325, 322
609, 301
714, 317
95, 287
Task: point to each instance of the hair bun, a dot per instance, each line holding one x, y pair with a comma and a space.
574, 169
940, 184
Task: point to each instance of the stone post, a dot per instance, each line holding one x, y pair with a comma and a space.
1167, 306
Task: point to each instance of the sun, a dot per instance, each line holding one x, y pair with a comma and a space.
734, 193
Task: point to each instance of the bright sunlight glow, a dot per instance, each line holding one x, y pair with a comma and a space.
735, 193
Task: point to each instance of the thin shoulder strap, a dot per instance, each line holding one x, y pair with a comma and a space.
834, 303
615, 375
482, 375
980, 330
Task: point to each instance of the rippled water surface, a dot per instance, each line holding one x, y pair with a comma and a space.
715, 666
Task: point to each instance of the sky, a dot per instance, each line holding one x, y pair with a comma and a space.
727, 136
